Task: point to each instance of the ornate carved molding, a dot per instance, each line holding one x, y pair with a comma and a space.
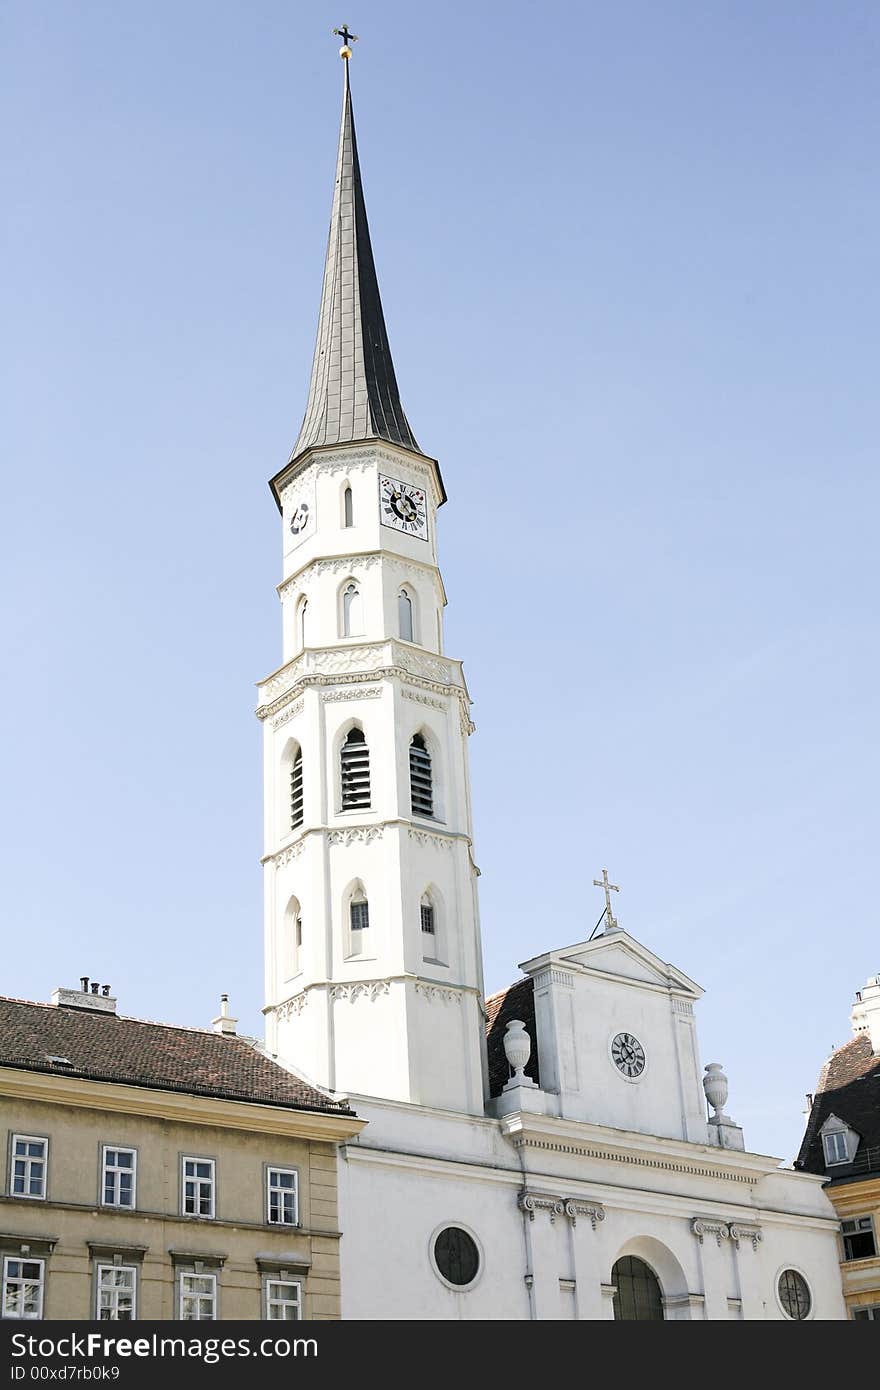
294, 1005
683, 1006
421, 699
424, 837
438, 993
740, 1230
356, 834
289, 713
640, 1160
360, 989
435, 668
570, 1207
704, 1226
284, 856
355, 692
594, 1210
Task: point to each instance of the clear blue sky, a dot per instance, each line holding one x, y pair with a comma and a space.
628, 256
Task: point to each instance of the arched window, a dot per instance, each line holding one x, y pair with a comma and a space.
355, 767
293, 938
638, 1296
420, 784
347, 507
296, 790
352, 611
301, 623
359, 910
405, 616
429, 924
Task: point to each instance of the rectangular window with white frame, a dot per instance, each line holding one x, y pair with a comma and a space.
198, 1297
118, 1177
198, 1186
871, 1313
858, 1238
282, 1197
29, 1161
117, 1285
836, 1150
283, 1300
23, 1285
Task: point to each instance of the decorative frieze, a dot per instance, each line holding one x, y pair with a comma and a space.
570, 1207
289, 1007
289, 713
421, 699
361, 989
356, 835
355, 692
290, 852
683, 1006
424, 837
438, 993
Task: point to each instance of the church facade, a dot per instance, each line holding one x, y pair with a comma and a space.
544, 1153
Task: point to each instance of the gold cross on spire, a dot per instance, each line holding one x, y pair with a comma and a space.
348, 38
610, 922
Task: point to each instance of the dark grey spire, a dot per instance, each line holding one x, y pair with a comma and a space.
353, 391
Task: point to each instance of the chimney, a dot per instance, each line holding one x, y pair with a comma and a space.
96, 998
865, 1016
223, 1023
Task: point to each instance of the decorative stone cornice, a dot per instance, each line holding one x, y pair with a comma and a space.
704, 1226
289, 713
294, 1005
682, 1006
422, 699
570, 1207
284, 856
365, 661
405, 465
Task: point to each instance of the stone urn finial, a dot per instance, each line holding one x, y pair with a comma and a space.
517, 1050
715, 1086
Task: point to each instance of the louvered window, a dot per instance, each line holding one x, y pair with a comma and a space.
355, 772
428, 918
296, 791
421, 787
360, 916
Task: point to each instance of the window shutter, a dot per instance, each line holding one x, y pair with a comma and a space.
296, 791
420, 783
355, 759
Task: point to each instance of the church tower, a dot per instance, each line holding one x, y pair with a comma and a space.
372, 943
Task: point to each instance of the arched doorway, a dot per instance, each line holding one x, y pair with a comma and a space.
639, 1297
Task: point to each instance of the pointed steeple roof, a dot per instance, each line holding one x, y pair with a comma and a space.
353, 391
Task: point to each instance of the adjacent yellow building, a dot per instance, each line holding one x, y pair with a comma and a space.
156, 1172
842, 1140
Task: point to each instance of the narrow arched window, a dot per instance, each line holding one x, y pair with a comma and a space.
296, 790
359, 913
301, 633
405, 616
352, 620
293, 938
347, 508
420, 783
637, 1293
355, 766
427, 915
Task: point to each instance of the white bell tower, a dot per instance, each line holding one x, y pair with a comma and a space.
372, 943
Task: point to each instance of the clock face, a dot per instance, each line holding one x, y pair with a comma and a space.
403, 507
300, 522
628, 1055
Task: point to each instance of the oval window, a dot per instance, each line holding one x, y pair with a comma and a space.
456, 1256
794, 1295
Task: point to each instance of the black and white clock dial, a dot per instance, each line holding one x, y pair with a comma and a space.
403, 507
628, 1055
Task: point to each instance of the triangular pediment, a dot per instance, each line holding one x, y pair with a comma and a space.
620, 956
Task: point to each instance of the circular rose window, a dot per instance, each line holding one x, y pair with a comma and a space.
456, 1256
794, 1295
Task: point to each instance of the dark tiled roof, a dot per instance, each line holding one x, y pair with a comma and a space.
518, 1001
353, 391
848, 1087
130, 1051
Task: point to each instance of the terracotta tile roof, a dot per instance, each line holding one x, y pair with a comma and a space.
848, 1087
130, 1051
517, 1001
